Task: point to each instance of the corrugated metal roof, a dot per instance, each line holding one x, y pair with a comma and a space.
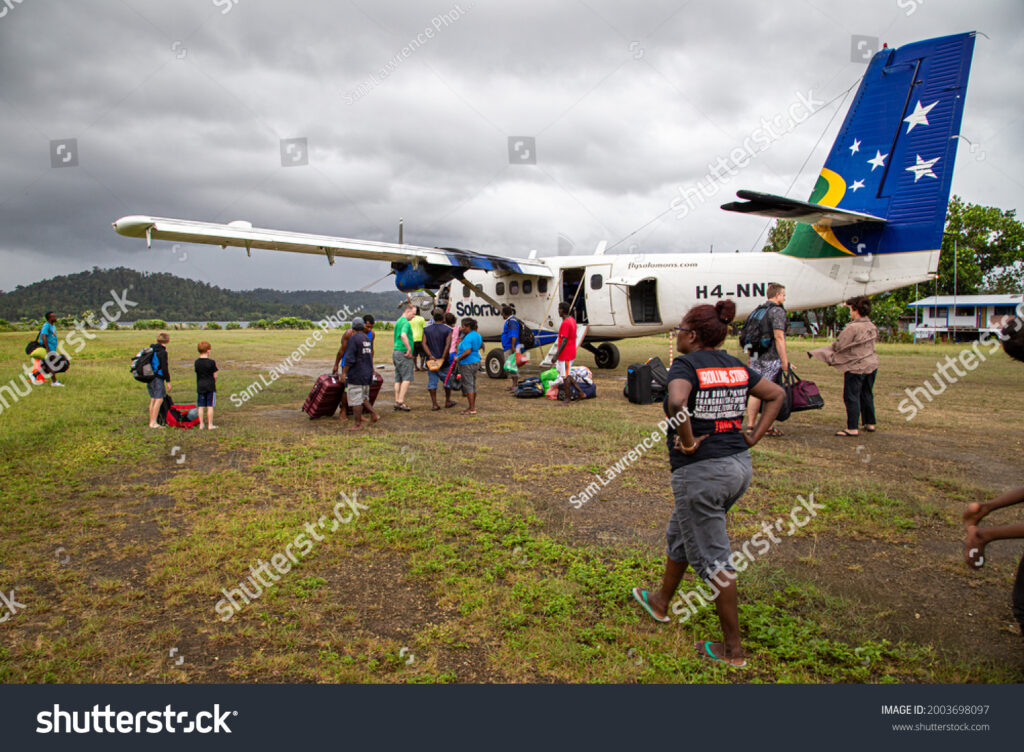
967, 300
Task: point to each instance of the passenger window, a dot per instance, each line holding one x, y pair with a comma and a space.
596, 281
499, 289
527, 287
542, 286
465, 291
513, 288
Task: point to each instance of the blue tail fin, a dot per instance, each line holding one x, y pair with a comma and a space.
892, 160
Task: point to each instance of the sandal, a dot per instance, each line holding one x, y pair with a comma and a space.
845, 432
773, 431
640, 596
704, 650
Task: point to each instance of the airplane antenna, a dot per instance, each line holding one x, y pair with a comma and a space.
400, 233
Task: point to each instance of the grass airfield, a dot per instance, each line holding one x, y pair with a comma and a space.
466, 562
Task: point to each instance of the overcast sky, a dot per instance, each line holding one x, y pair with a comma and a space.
178, 110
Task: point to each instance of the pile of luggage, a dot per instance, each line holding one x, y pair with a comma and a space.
549, 384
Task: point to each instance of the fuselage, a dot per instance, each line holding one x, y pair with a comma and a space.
631, 295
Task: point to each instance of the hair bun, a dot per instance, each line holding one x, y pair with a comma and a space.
726, 311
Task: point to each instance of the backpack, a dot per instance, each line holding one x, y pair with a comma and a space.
526, 338
529, 388
757, 334
142, 365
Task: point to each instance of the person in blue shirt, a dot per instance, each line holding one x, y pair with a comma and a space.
468, 359
510, 340
48, 338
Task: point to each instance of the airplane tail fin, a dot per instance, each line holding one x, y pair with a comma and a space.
885, 185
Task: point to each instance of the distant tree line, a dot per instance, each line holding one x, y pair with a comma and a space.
171, 298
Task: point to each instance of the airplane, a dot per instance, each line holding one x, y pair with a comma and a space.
874, 222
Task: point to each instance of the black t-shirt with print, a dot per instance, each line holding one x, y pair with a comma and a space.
721, 385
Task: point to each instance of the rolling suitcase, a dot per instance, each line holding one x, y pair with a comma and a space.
324, 398
638, 384
375, 385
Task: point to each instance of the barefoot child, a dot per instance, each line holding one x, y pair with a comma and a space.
161, 383
206, 384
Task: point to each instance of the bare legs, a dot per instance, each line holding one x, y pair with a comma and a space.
979, 537
730, 649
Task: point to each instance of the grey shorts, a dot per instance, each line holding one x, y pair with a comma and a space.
357, 394
767, 369
468, 374
704, 491
157, 388
403, 367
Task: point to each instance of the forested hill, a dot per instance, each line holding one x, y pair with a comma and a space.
165, 296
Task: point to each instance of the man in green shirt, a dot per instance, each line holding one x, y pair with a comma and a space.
402, 358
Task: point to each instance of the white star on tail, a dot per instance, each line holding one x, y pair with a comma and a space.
919, 116
857, 185
923, 168
878, 161
855, 148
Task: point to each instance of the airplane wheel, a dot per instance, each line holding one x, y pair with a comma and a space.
495, 364
607, 355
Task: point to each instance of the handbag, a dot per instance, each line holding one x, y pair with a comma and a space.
803, 394
434, 364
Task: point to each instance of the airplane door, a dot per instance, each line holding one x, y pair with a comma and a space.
599, 295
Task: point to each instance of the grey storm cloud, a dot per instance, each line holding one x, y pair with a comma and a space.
179, 108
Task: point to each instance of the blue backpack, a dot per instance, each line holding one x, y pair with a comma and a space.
529, 388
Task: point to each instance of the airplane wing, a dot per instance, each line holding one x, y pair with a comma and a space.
244, 235
780, 207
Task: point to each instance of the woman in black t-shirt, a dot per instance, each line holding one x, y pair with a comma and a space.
707, 398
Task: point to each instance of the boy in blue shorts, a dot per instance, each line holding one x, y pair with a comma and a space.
206, 384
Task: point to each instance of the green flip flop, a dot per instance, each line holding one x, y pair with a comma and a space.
641, 598
705, 651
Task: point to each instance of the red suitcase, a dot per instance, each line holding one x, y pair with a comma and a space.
324, 398
378, 382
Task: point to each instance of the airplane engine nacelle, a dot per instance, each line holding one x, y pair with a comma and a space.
423, 277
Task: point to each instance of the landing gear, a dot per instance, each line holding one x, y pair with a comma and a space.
606, 355
495, 364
